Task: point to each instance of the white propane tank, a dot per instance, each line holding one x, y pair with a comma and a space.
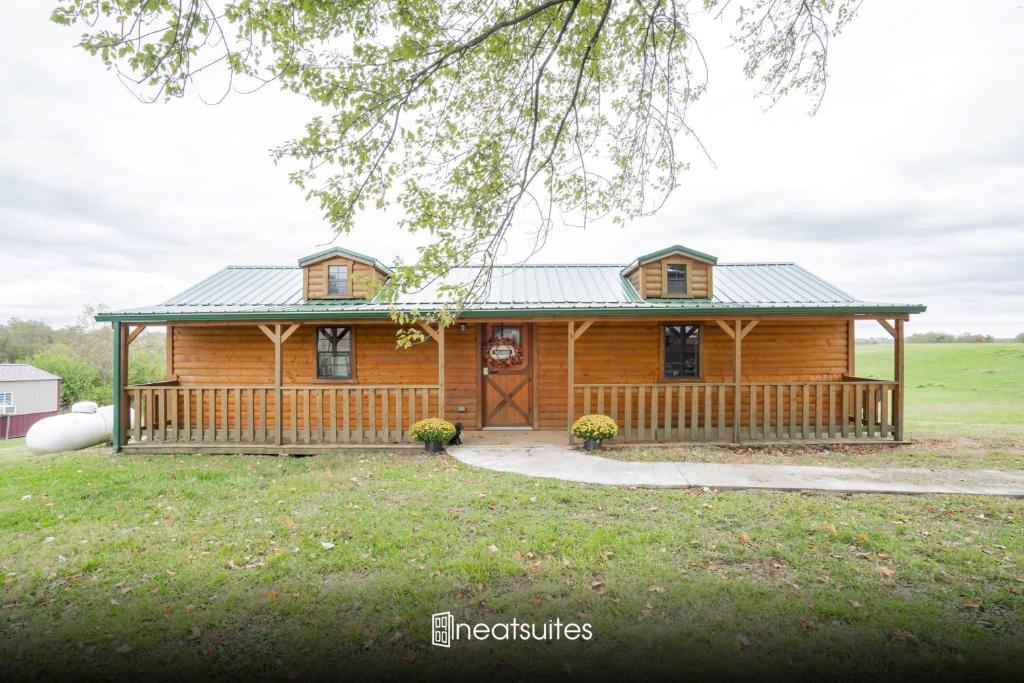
86, 425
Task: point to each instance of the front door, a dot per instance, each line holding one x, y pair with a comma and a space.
506, 381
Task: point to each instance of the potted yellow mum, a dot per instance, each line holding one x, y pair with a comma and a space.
594, 429
433, 432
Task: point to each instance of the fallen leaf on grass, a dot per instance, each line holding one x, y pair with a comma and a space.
740, 642
195, 633
125, 649
493, 548
326, 545
886, 571
971, 604
904, 636
656, 589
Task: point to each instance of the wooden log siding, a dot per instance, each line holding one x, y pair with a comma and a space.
228, 355
321, 415
630, 353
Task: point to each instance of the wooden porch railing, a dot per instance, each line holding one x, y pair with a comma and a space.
310, 415
769, 411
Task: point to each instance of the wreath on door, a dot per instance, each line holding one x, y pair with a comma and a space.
502, 352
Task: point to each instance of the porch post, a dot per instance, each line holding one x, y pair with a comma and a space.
440, 370
900, 381
736, 404
851, 348
570, 403
122, 419
278, 381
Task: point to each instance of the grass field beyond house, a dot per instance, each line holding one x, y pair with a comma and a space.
975, 389
297, 568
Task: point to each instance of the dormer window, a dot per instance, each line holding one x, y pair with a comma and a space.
674, 272
337, 280
675, 276
337, 273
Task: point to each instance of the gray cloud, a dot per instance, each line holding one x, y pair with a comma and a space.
906, 187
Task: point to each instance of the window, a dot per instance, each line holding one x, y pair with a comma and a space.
6, 399
337, 281
334, 353
682, 351
675, 275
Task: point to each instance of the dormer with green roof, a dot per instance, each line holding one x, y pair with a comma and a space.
337, 273
675, 272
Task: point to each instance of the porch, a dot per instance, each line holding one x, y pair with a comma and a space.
309, 418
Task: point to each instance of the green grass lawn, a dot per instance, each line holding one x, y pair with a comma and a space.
302, 567
243, 564
12, 443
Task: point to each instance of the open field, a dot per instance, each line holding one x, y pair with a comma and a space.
957, 389
297, 567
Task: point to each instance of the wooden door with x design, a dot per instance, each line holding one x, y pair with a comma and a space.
507, 368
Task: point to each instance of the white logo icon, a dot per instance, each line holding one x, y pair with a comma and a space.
442, 625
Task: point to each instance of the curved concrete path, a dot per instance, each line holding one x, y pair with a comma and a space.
568, 464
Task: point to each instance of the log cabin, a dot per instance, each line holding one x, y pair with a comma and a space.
674, 346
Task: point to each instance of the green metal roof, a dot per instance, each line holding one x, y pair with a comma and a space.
266, 292
338, 251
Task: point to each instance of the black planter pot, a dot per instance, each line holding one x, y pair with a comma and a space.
433, 446
591, 444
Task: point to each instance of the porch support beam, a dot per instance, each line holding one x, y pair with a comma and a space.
851, 349
430, 330
289, 332
737, 359
726, 328
122, 416
440, 370
888, 327
169, 351
571, 365
278, 382
139, 329
438, 336
897, 411
581, 329
747, 329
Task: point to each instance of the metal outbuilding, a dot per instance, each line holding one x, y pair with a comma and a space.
27, 395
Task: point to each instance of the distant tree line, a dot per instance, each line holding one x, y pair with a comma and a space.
965, 338
82, 355
944, 338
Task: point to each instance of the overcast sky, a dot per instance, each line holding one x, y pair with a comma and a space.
908, 186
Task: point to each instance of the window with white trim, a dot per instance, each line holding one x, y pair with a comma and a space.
6, 399
675, 275
337, 280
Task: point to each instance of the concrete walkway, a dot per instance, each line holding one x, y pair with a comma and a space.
568, 464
